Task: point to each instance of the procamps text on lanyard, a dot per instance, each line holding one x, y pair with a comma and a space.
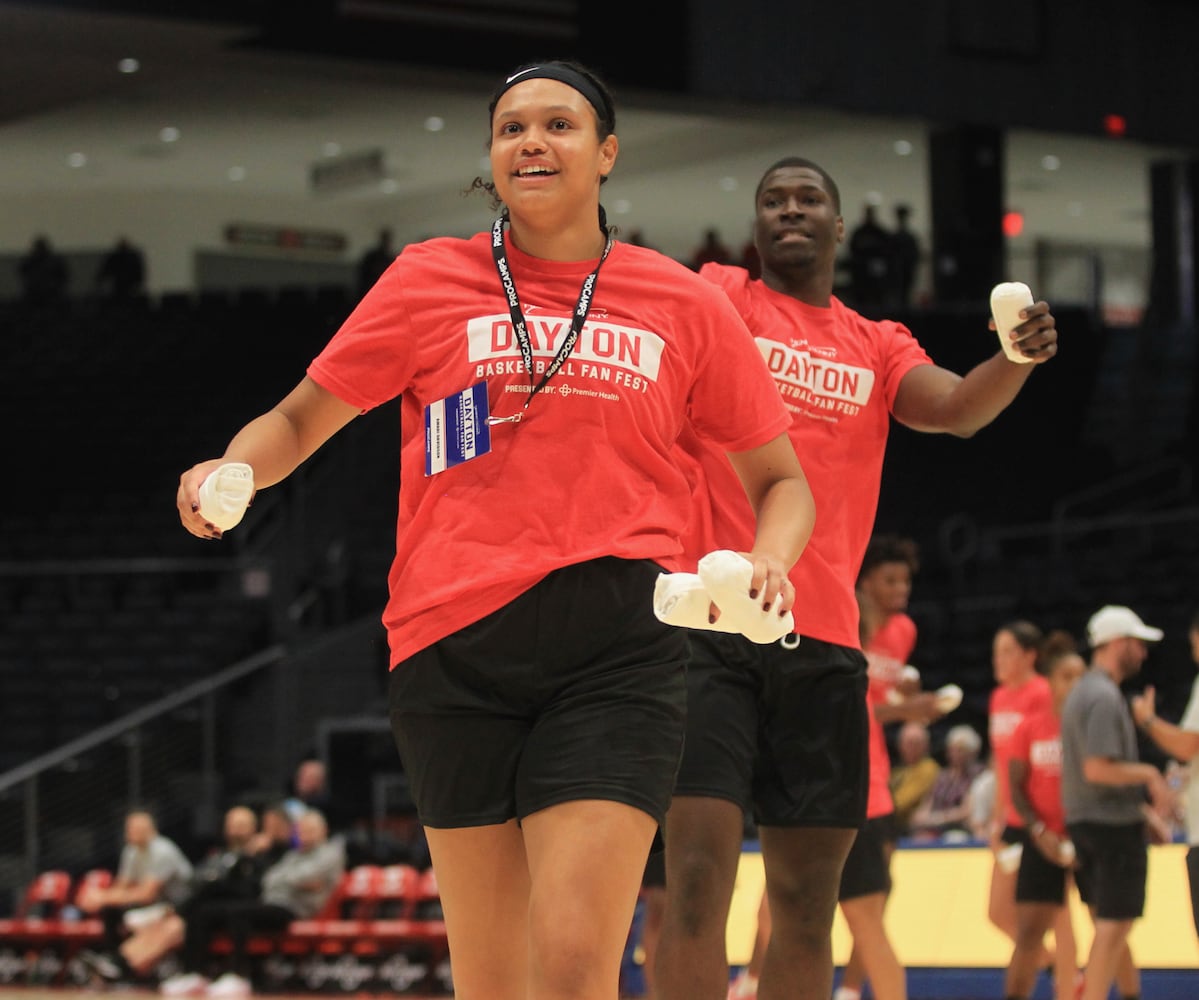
582, 308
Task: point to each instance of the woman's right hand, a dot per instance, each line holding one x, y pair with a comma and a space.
187, 500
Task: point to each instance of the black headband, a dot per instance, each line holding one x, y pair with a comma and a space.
563, 74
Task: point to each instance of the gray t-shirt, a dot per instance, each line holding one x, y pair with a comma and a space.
161, 860
303, 880
1096, 722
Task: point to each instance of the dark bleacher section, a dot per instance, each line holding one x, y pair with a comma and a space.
77, 652
1013, 470
105, 602
110, 402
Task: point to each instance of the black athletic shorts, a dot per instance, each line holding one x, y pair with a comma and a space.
1039, 880
1113, 863
866, 870
779, 731
572, 691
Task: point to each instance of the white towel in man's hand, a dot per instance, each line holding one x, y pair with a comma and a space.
226, 493
724, 579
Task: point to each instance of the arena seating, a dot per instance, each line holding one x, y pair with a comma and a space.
40, 942
39, 915
105, 603
381, 931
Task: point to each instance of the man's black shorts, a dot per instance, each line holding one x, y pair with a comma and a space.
1113, 863
781, 731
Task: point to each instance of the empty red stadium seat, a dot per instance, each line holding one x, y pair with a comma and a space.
38, 918
395, 901
350, 922
428, 921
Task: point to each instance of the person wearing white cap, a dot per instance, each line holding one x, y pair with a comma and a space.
1114, 622
1103, 794
1181, 742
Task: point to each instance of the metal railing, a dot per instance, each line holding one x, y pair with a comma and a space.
1153, 498
60, 809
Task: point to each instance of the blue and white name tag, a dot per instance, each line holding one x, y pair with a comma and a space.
456, 429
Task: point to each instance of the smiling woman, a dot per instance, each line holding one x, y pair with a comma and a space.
552, 145
545, 372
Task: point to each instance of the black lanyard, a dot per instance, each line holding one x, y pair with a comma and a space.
582, 308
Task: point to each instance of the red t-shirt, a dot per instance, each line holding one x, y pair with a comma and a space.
838, 373
591, 470
1038, 742
1008, 708
886, 655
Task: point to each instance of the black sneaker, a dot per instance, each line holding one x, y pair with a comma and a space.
101, 965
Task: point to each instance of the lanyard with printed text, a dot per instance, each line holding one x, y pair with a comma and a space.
582, 308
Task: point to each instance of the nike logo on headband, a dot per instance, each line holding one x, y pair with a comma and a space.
521, 73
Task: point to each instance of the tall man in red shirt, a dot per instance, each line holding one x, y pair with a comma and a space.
783, 728
888, 639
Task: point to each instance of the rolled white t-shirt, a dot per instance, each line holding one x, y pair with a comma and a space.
1190, 723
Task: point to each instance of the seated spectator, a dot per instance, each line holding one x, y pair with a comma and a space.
152, 869
43, 272
276, 834
946, 807
913, 776
711, 251
310, 789
122, 272
295, 887
982, 802
232, 872
870, 260
375, 260
750, 259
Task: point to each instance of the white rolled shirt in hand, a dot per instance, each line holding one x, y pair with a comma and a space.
724, 579
949, 698
225, 495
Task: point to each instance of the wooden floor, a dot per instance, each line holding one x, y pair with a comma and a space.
923, 984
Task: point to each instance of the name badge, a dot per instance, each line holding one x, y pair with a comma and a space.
456, 429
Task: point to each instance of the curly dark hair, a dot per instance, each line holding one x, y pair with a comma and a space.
1056, 646
890, 549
